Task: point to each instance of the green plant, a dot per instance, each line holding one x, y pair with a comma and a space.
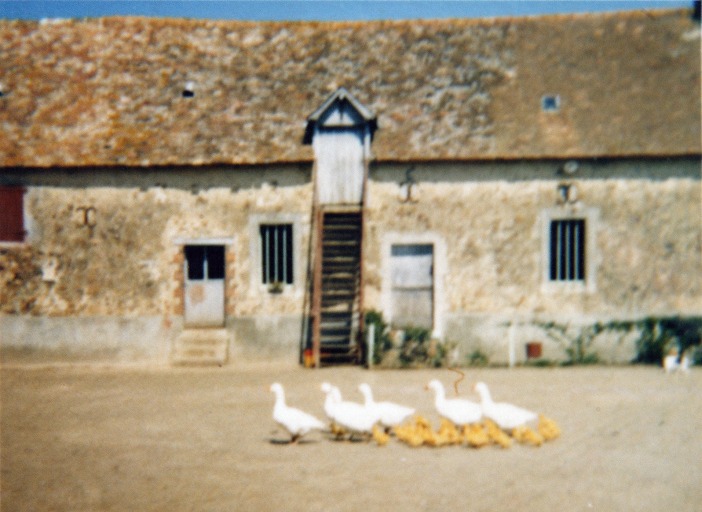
658, 334
419, 349
415, 348
696, 356
442, 356
540, 363
652, 342
478, 358
578, 346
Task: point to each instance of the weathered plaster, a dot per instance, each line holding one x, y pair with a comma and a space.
87, 338
107, 245
645, 256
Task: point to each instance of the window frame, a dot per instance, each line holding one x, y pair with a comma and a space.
590, 218
299, 262
277, 256
567, 250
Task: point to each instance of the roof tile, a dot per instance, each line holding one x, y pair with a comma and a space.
110, 91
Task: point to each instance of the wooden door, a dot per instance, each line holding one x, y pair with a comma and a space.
412, 285
204, 286
340, 166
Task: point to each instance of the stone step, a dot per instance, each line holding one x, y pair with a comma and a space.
201, 347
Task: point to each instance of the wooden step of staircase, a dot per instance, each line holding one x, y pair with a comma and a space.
201, 347
340, 283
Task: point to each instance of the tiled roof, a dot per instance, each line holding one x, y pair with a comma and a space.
111, 91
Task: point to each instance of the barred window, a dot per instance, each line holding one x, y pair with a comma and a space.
276, 253
567, 253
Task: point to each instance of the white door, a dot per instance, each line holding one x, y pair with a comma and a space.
204, 286
340, 166
412, 285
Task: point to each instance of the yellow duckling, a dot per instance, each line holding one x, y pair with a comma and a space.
449, 432
337, 430
496, 434
409, 434
525, 435
433, 439
424, 429
475, 435
548, 428
422, 423
379, 436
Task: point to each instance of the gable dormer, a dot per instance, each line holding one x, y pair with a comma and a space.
340, 131
341, 110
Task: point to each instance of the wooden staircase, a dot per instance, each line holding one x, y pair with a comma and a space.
336, 292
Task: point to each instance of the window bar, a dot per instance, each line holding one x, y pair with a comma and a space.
289, 261
581, 252
559, 250
205, 274
568, 250
572, 227
285, 255
266, 255
564, 251
552, 253
576, 250
276, 270
271, 255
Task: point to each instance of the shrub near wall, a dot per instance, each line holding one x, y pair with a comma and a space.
659, 335
410, 347
656, 337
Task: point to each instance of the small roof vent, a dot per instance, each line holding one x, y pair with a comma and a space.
188, 90
550, 103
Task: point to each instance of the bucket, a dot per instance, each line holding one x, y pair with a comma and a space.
533, 350
308, 358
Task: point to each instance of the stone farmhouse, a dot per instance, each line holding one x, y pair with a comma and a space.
179, 190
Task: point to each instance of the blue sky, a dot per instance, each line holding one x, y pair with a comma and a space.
314, 9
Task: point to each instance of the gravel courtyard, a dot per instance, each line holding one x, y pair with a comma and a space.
93, 438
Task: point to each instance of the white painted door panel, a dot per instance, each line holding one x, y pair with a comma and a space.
204, 303
412, 285
340, 167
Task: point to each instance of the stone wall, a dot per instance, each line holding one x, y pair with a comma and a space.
101, 273
105, 248
487, 224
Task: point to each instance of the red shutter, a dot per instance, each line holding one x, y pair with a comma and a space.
11, 214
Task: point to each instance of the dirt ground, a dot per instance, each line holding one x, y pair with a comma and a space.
93, 438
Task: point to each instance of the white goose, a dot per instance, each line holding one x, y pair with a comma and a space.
333, 396
457, 410
506, 416
296, 422
353, 417
390, 414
